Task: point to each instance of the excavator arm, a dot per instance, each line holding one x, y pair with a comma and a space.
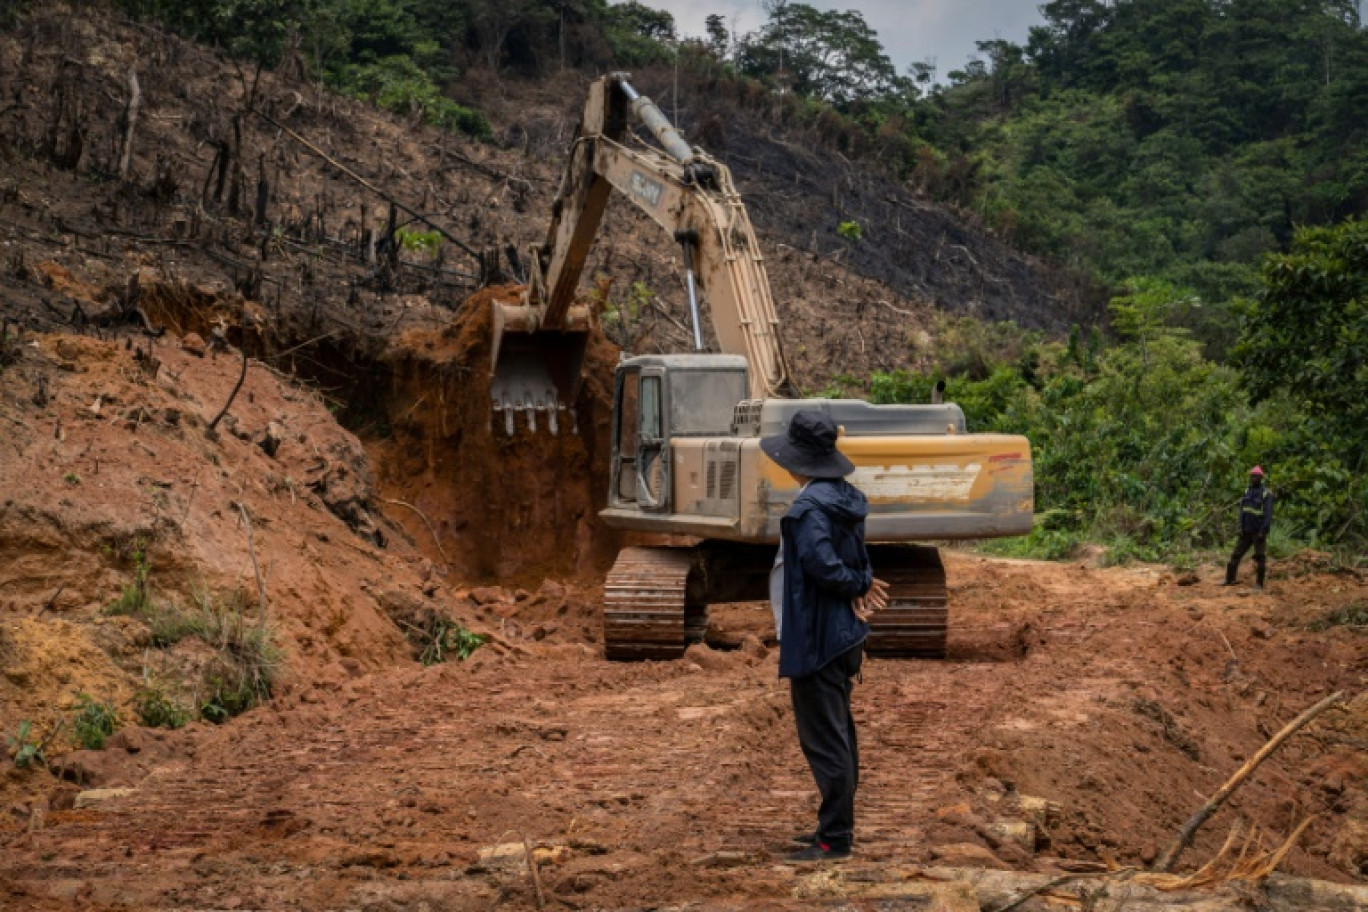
539, 343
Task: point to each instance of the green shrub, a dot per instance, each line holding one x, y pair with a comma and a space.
95, 721
24, 749
415, 241
399, 85
156, 708
449, 637
851, 231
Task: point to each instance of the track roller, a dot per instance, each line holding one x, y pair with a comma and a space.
914, 623
653, 604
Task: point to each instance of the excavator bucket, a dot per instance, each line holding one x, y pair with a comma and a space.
536, 371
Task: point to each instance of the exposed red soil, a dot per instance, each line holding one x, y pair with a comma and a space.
512, 509
1116, 696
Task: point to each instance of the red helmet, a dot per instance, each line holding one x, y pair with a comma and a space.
1256, 471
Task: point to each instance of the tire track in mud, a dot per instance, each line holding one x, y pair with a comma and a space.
647, 760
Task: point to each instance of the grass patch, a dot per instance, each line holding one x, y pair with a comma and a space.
136, 597
245, 660
1353, 616
95, 721
1039, 544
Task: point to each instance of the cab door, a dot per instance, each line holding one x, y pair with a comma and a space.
653, 482
626, 427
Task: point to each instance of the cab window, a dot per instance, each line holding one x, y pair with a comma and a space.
650, 408
628, 418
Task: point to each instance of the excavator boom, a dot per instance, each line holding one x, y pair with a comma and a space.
539, 344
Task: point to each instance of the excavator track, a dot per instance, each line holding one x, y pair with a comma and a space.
652, 606
914, 623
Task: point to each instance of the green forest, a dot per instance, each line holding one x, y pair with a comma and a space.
1202, 163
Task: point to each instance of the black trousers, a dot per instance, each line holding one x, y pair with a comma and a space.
1259, 543
826, 732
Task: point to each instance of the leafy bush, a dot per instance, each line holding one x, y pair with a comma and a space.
851, 231
1142, 445
415, 241
449, 637
399, 85
94, 722
156, 708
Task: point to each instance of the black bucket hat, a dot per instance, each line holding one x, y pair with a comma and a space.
809, 447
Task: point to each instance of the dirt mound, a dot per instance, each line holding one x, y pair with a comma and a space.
520, 508
121, 481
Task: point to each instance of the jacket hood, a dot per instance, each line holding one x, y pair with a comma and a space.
835, 497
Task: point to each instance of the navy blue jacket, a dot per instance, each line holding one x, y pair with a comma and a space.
1256, 510
826, 567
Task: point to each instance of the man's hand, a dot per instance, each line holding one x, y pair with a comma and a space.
876, 599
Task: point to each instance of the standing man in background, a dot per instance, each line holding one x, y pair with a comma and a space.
1256, 519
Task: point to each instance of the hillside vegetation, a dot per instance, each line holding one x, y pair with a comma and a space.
1200, 164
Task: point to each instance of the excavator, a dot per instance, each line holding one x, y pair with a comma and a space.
686, 429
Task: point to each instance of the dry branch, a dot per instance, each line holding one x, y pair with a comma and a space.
435, 540
536, 876
231, 396
896, 310
256, 568
1180, 842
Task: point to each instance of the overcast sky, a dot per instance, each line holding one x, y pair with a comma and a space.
910, 30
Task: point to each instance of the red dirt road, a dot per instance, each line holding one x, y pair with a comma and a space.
1116, 695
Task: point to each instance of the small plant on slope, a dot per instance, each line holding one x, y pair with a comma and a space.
24, 749
95, 721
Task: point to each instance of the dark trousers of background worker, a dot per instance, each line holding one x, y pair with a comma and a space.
1259, 542
826, 732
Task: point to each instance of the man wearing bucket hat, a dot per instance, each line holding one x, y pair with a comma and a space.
827, 591
1256, 519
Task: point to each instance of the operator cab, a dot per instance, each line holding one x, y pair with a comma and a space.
659, 397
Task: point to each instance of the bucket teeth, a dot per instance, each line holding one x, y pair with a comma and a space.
550, 408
